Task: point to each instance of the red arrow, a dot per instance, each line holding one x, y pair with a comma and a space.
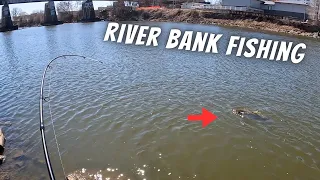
206, 117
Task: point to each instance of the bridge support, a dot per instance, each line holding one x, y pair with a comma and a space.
6, 21
50, 15
88, 14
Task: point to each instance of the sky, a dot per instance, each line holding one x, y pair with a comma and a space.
31, 7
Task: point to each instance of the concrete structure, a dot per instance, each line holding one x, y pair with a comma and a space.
289, 8
6, 21
30, 1
50, 15
219, 7
133, 4
88, 14
189, 5
242, 3
192, 5
177, 3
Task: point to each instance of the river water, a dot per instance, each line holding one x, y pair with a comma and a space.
129, 113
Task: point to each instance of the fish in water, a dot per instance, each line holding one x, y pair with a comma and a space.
245, 113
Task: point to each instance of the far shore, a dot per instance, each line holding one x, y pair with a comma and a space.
253, 22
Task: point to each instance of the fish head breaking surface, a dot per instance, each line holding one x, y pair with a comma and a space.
253, 115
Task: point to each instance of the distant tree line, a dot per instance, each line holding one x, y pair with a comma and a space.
314, 11
67, 11
24, 19
71, 11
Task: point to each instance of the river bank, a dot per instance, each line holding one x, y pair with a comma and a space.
251, 21
229, 19
157, 88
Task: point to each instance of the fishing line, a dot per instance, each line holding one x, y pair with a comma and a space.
42, 126
53, 127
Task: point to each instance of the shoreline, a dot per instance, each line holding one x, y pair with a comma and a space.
263, 24
253, 22
310, 37
215, 24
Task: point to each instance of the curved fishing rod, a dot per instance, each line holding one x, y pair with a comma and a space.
42, 126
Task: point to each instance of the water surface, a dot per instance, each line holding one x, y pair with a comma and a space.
129, 113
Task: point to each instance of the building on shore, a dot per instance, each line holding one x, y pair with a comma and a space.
293, 8
205, 5
178, 3
194, 5
243, 3
289, 8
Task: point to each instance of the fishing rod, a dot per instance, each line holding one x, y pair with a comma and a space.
42, 126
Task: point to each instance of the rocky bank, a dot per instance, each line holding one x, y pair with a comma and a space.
231, 19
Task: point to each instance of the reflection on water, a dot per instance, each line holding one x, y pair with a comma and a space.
129, 113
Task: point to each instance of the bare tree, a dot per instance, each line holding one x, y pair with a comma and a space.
77, 6
37, 12
65, 6
68, 6
15, 12
69, 11
36, 17
23, 13
314, 10
120, 3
